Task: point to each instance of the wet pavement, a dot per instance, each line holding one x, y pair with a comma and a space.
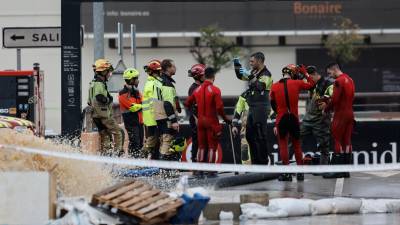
360, 185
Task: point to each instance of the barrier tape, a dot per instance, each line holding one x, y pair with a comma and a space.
207, 166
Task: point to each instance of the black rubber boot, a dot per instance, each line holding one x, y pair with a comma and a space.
300, 176
348, 160
285, 177
337, 159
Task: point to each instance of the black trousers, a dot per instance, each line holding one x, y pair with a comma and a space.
256, 136
135, 134
195, 143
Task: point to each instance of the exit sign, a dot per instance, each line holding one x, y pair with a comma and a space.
31, 37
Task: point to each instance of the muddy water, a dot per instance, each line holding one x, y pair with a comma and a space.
74, 178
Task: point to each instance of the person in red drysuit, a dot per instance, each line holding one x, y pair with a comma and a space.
343, 117
209, 106
287, 121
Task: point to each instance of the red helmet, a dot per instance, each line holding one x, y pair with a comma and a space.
290, 69
197, 71
153, 65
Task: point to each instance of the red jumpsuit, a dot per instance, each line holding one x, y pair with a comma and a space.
278, 101
209, 106
343, 116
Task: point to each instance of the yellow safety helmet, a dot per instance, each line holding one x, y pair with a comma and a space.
178, 145
102, 65
130, 73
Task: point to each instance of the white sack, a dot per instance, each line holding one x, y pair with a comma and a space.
257, 211
293, 206
322, 207
373, 206
393, 206
346, 205
226, 215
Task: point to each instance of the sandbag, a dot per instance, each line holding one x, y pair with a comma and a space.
373, 206
293, 206
393, 206
257, 211
346, 205
322, 207
225, 215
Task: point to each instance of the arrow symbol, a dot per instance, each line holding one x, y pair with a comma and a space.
15, 37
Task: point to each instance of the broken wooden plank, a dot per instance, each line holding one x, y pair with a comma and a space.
163, 209
120, 191
139, 198
147, 202
159, 219
115, 187
155, 205
131, 194
95, 197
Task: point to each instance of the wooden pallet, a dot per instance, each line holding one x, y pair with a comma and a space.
140, 200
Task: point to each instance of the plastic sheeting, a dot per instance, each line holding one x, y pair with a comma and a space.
79, 212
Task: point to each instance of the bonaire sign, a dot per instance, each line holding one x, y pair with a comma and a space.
31, 37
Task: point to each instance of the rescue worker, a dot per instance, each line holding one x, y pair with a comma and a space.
209, 107
130, 102
157, 113
284, 101
343, 117
240, 113
315, 122
257, 97
101, 102
197, 73
168, 123
151, 94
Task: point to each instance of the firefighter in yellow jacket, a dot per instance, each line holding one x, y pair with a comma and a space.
101, 102
154, 110
168, 123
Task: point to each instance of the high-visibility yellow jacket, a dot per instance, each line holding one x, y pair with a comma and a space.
151, 94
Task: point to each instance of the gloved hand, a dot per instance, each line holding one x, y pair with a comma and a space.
244, 72
236, 62
302, 69
235, 131
135, 107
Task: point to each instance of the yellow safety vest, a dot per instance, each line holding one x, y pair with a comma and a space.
151, 93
